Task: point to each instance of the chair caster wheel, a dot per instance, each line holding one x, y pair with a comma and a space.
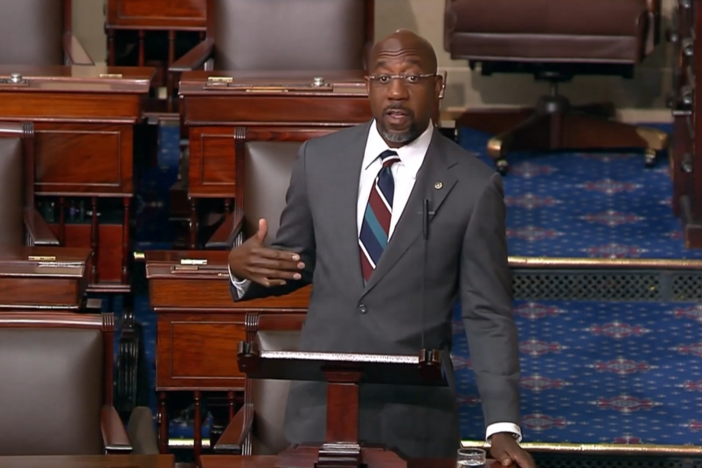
649, 157
501, 166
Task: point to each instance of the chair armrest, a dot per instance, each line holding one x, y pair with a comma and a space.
232, 439
141, 431
225, 235
37, 228
114, 435
74, 51
194, 58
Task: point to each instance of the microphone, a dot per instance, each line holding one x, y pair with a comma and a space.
425, 235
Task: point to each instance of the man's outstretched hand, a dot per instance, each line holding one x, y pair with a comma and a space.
507, 452
268, 267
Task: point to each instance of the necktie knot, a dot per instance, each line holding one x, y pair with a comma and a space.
389, 157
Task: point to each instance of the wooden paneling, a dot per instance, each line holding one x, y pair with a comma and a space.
68, 107
199, 351
157, 14
282, 110
99, 155
40, 292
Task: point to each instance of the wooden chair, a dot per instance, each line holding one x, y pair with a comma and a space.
57, 387
21, 222
39, 32
257, 428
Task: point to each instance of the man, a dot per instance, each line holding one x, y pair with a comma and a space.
391, 223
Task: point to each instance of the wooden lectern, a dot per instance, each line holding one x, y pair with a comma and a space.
343, 373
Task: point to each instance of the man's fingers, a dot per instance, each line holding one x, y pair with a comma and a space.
501, 456
524, 460
271, 282
262, 230
287, 265
276, 254
270, 273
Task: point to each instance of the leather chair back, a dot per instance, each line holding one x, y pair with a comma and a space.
51, 391
270, 397
11, 192
31, 32
267, 169
289, 34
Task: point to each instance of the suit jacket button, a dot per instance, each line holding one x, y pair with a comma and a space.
362, 308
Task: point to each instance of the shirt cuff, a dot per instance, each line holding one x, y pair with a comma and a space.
504, 427
240, 285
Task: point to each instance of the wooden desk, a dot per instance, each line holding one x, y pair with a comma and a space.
84, 121
142, 17
199, 327
268, 461
43, 277
220, 117
686, 152
89, 461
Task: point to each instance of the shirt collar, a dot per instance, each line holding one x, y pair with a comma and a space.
411, 155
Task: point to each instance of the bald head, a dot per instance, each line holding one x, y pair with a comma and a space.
404, 43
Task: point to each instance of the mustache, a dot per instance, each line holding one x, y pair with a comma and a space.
398, 106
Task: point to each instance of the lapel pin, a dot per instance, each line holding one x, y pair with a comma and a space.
438, 185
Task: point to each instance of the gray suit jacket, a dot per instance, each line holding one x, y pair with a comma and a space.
410, 294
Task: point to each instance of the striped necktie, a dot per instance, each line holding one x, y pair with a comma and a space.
376, 219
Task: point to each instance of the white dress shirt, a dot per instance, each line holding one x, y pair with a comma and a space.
404, 175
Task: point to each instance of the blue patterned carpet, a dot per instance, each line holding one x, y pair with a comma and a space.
593, 372
588, 205
601, 372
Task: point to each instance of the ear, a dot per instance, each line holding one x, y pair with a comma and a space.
367, 84
439, 86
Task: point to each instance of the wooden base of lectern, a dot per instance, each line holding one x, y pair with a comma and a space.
343, 374
339, 455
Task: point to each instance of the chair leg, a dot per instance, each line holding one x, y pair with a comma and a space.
534, 134
585, 132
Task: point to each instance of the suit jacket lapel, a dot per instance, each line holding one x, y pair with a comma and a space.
346, 173
434, 182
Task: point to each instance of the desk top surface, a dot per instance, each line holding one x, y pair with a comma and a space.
88, 461
292, 82
186, 263
43, 261
77, 78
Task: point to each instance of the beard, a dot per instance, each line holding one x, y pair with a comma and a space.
403, 138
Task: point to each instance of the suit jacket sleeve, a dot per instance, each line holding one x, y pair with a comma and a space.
295, 234
486, 299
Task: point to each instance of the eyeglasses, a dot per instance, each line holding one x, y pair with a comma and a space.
410, 79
